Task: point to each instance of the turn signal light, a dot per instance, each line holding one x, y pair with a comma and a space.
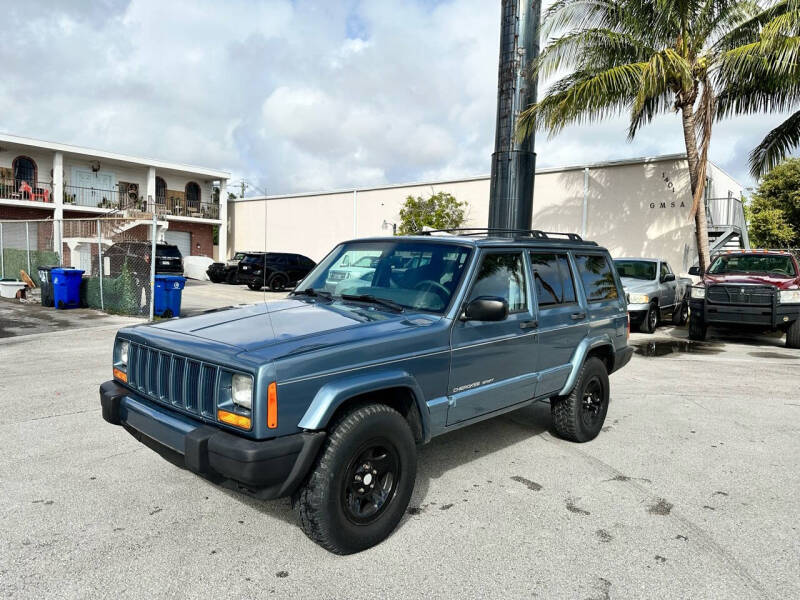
121, 375
230, 418
272, 405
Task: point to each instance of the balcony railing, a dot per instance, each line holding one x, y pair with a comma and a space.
20, 189
725, 213
182, 208
114, 199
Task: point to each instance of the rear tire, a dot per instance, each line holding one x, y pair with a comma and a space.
697, 329
793, 335
215, 278
680, 315
579, 417
650, 321
361, 484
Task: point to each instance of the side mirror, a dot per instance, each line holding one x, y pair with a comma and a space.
486, 308
694, 271
668, 277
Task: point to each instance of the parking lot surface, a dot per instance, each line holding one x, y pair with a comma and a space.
689, 492
199, 296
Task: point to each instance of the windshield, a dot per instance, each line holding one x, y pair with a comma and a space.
238, 256
636, 269
418, 275
762, 264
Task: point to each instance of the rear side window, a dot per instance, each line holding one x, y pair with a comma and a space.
502, 276
597, 277
553, 278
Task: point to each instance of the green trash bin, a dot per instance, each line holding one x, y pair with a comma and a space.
46, 279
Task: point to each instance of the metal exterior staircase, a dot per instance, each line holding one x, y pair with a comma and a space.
727, 226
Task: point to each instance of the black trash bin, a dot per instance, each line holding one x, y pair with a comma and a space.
47, 284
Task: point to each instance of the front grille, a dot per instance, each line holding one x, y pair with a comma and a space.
750, 295
184, 383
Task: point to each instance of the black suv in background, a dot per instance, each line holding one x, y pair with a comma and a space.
169, 260
225, 272
277, 270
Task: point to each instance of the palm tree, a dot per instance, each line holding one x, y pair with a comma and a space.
644, 58
763, 75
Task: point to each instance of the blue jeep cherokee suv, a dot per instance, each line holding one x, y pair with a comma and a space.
325, 396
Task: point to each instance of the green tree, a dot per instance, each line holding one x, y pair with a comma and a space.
774, 210
643, 58
437, 211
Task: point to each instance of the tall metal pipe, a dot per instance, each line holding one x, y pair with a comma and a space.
514, 163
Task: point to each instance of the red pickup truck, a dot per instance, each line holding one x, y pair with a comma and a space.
759, 289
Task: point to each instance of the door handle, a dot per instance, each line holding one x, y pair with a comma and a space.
578, 316
528, 324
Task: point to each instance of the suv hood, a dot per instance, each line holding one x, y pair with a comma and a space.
252, 327
782, 283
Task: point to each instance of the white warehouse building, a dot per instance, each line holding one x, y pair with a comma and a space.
638, 207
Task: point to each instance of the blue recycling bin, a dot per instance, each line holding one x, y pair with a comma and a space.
66, 287
167, 299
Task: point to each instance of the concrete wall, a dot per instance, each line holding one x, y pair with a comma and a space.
635, 209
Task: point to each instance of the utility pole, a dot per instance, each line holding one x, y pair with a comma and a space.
514, 163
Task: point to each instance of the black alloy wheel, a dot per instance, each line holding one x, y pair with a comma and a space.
371, 481
278, 283
592, 406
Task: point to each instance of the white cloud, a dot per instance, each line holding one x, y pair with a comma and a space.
291, 95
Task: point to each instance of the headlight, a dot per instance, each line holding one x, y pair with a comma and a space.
639, 299
242, 391
122, 353
698, 292
789, 296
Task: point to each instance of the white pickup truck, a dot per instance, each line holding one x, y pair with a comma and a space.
654, 292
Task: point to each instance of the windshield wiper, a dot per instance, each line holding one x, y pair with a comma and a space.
390, 304
312, 293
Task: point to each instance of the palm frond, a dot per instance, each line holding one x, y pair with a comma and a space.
583, 97
596, 46
775, 146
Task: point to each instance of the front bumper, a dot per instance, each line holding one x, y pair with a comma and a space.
637, 312
774, 317
267, 469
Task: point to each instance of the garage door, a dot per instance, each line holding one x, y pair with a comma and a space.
182, 239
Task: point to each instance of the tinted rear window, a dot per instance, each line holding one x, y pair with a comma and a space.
597, 276
171, 251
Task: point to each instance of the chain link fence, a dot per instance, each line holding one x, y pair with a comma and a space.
116, 255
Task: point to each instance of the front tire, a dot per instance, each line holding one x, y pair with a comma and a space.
579, 417
254, 286
650, 321
362, 481
697, 329
793, 335
278, 282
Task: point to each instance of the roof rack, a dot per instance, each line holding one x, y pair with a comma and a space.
532, 233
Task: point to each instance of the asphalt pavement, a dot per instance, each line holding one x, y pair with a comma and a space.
690, 491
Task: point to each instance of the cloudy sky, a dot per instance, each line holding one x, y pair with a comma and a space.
291, 95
